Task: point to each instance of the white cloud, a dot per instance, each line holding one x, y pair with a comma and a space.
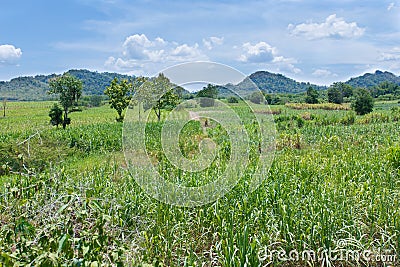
140, 47
391, 6
138, 50
323, 73
333, 27
264, 53
260, 52
185, 52
391, 55
212, 41
286, 64
9, 54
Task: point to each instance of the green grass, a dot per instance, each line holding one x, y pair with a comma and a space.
333, 182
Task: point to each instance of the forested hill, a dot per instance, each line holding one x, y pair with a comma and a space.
94, 83
275, 83
369, 80
36, 87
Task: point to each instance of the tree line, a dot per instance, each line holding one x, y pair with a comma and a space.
158, 94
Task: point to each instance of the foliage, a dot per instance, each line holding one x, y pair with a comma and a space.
207, 95
118, 92
274, 99
257, 98
345, 89
56, 115
385, 88
158, 94
4, 106
363, 102
393, 156
370, 80
36, 87
312, 96
95, 100
327, 106
329, 188
335, 95
274, 83
232, 99
69, 90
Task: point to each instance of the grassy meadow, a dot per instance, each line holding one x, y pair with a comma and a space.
67, 198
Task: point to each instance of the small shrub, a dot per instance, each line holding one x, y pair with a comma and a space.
293, 141
325, 106
233, 99
306, 116
257, 98
56, 115
349, 118
374, 118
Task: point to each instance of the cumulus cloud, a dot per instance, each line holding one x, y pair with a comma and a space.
286, 64
212, 41
332, 27
260, 52
263, 52
138, 49
391, 6
9, 54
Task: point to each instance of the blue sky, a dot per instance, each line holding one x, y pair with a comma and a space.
316, 41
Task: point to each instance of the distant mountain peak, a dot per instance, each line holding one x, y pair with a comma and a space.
373, 79
275, 83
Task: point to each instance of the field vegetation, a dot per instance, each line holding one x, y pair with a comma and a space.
68, 199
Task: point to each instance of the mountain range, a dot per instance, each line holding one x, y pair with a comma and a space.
36, 87
94, 83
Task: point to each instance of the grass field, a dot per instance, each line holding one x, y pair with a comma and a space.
69, 200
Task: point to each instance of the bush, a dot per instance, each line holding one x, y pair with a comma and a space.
335, 95
233, 99
257, 98
312, 96
363, 102
56, 115
349, 118
206, 102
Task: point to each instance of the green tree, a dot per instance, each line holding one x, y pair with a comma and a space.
207, 95
118, 92
56, 115
69, 89
346, 89
139, 93
363, 102
335, 95
95, 100
257, 98
312, 96
158, 94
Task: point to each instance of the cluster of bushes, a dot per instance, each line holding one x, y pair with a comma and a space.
30, 158
93, 100
326, 106
287, 122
